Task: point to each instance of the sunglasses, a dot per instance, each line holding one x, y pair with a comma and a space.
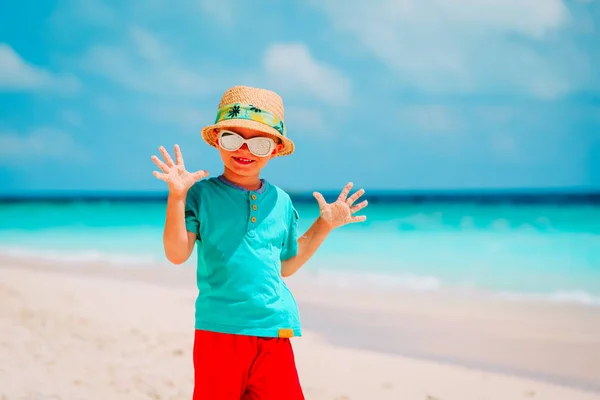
260, 146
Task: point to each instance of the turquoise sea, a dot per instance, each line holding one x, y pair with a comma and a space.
540, 250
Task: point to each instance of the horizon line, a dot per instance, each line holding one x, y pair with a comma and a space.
487, 195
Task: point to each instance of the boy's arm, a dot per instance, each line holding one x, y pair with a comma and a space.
332, 215
177, 240
180, 232
307, 245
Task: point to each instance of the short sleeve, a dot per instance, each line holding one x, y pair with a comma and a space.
290, 244
192, 212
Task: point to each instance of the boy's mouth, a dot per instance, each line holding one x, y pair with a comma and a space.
242, 160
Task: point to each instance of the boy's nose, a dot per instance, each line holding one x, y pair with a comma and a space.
244, 148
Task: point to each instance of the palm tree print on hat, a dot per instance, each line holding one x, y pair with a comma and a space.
279, 127
234, 112
255, 109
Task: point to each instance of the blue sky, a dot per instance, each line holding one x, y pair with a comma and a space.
411, 94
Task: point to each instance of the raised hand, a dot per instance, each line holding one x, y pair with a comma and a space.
340, 212
174, 173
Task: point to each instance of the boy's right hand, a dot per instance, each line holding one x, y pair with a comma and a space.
175, 174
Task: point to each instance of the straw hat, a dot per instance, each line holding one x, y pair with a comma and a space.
253, 108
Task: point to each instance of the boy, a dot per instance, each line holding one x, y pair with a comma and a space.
245, 230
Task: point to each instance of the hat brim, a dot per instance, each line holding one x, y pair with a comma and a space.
209, 133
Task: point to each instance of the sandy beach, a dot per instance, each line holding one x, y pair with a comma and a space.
99, 332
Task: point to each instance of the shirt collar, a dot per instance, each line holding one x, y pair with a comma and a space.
236, 186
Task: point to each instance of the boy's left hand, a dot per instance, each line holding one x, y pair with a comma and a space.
340, 212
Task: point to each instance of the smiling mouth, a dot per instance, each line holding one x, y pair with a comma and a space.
242, 160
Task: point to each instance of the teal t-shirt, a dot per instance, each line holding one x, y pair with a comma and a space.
242, 238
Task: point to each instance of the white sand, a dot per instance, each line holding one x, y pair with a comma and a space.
73, 336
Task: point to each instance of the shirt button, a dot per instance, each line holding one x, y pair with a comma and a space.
253, 196
253, 219
254, 207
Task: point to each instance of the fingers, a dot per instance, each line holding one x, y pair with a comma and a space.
358, 218
355, 197
166, 156
320, 199
160, 164
158, 175
359, 206
200, 174
345, 191
178, 156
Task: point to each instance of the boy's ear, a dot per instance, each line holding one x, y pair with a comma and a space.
278, 148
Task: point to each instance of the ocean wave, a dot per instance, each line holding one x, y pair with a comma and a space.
559, 296
377, 280
387, 281
413, 282
76, 257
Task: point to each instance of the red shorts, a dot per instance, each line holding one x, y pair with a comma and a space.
238, 367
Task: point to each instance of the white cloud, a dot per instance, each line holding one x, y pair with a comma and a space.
503, 143
71, 117
506, 148
306, 121
109, 106
497, 114
145, 64
221, 10
18, 75
465, 46
91, 12
534, 18
39, 143
291, 67
186, 117
430, 118
148, 46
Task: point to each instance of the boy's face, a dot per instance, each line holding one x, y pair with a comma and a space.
242, 161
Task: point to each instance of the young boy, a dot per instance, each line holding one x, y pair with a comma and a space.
245, 230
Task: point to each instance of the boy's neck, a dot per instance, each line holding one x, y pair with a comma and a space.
247, 182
